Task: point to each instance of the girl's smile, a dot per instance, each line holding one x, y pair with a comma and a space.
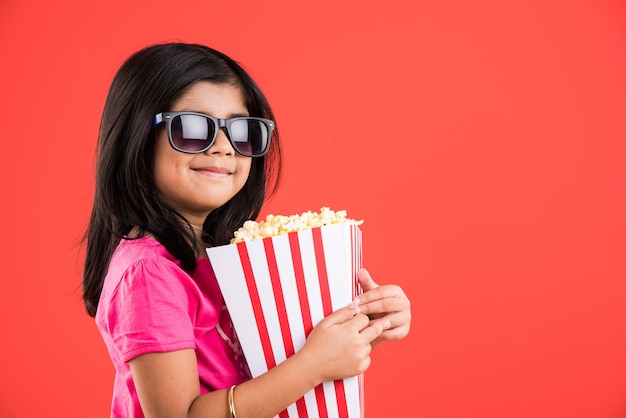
213, 171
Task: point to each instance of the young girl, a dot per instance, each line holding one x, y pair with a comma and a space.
188, 151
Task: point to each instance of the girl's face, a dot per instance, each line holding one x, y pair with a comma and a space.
195, 184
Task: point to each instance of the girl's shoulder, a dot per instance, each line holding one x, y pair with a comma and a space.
144, 265
142, 248
143, 254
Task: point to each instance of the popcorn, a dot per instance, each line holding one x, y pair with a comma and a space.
275, 225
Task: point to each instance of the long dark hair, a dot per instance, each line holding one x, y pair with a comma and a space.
125, 195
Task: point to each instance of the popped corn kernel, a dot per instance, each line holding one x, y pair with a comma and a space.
275, 225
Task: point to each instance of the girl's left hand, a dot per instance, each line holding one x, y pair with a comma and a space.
387, 301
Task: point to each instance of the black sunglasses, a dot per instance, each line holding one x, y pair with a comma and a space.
193, 132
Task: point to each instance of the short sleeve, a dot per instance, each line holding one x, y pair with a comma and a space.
152, 309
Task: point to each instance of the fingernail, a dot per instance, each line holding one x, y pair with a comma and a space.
356, 301
387, 324
355, 307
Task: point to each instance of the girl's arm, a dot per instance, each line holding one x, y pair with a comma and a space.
338, 347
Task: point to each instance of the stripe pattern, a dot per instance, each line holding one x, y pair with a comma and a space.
277, 289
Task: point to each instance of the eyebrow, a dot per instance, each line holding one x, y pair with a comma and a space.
239, 115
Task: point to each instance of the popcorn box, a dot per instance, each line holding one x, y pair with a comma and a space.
277, 289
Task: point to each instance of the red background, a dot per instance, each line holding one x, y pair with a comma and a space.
482, 142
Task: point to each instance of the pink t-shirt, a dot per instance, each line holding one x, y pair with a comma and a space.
150, 304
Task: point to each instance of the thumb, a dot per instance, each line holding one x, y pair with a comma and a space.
366, 281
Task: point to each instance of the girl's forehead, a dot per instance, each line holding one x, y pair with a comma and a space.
202, 87
209, 97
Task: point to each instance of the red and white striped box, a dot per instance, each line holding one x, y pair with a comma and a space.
277, 289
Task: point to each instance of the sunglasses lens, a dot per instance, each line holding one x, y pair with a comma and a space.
196, 133
192, 133
250, 137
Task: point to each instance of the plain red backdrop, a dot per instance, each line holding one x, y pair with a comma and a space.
482, 141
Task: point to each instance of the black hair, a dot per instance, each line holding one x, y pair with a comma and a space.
125, 195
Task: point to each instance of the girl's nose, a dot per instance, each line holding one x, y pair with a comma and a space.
221, 145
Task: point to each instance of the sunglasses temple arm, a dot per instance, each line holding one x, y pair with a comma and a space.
158, 118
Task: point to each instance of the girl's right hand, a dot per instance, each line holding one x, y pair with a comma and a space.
339, 346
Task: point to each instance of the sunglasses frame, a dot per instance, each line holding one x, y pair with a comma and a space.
167, 117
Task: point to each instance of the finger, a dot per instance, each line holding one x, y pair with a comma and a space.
357, 323
396, 320
374, 330
381, 292
396, 333
342, 315
365, 280
384, 305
